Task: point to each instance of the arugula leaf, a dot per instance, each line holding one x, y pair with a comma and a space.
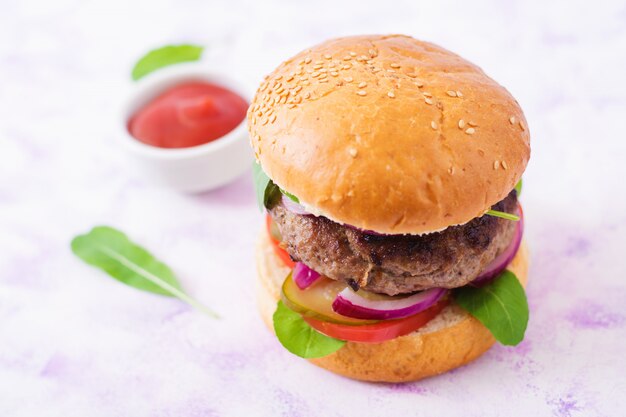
299, 338
164, 56
500, 305
110, 250
502, 215
291, 196
518, 188
263, 185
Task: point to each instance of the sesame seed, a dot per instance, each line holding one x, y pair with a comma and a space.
433, 124
346, 66
375, 70
298, 88
273, 118
470, 130
411, 74
352, 53
428, 101
322, 80
352, 152
347, 58
323, 75
304, 78
307, 95
495, 164
451, 170
362, 84
348, 79
522, 125
461, 124
264, 122
427, 94
390, 70
394, 65
391, 94
472, 123
334, 73
459, 94
318, 66
372, 52
280, 90
319, 62
451, 93
512, 120
419, 84
504, 165
315, 74
307, 60
361, 92
278, 77
290, 77
328, 56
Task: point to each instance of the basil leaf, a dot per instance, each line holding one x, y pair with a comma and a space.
167, 55
500, 305
299, 338
110, 250
518, 188
291, 196
502, 215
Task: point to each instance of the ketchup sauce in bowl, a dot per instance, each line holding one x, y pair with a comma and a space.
185, 128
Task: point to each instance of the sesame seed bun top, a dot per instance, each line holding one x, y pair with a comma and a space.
388, 133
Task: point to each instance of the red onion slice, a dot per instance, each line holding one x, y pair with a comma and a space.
350, 304
294, 207
501, 261
304, 276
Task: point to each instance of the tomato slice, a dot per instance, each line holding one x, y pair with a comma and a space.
280, 252
377, 332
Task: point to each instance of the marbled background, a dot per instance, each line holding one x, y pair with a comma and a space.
76, 343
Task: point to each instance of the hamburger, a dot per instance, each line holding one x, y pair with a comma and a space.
389, 171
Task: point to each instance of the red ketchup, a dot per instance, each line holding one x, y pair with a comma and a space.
188, 114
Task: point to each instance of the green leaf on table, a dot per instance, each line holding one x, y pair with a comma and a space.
110, 250
299, 338
164, 56
501, 306
518, 188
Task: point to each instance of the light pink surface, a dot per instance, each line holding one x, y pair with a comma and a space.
76, 343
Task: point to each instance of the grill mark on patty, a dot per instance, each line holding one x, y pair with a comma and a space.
395, 264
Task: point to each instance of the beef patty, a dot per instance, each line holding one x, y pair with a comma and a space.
396, 264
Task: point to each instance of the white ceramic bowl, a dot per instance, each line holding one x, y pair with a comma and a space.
193, 169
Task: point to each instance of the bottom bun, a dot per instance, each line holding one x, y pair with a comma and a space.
452, 339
